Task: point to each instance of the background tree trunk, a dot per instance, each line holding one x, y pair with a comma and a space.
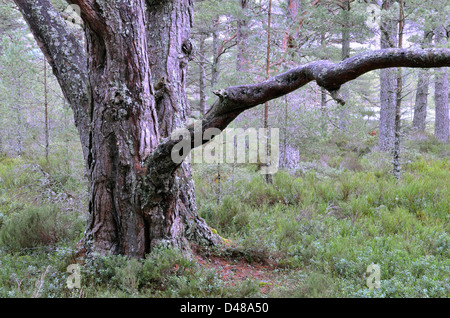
269, 178
47, 132
215, 53
202, 79
387, 84
420, 106
345, 54
421, 102
441, 127
398, 99
242, 37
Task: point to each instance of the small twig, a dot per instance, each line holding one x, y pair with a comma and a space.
337, 97
41, 281
19, 283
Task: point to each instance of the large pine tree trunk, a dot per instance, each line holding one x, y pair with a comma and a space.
130, 213
171, 49
123, 132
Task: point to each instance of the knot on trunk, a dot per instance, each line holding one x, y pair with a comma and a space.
188, 49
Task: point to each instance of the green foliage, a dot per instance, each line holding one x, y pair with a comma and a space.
230, 217
38, 226
33, 213
9, 176
165, 272
331, 226
39, 273
321, 227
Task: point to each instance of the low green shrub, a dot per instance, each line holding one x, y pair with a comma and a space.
229, 217
165, 272
13, 173
38, 226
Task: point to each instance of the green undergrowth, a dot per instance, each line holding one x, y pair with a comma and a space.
319, 227
163, 273
326, 226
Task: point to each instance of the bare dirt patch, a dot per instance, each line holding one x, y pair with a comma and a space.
234, 265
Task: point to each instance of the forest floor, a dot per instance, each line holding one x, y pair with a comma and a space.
311, 233
235, 267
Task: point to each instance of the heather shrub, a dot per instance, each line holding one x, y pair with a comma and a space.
38, 226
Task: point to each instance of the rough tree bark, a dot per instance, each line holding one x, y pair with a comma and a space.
127, 93
169, 50
121, 117
124, 130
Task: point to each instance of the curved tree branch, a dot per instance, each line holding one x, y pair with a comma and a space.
65, 55
331, 76
328, 75
62, 50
